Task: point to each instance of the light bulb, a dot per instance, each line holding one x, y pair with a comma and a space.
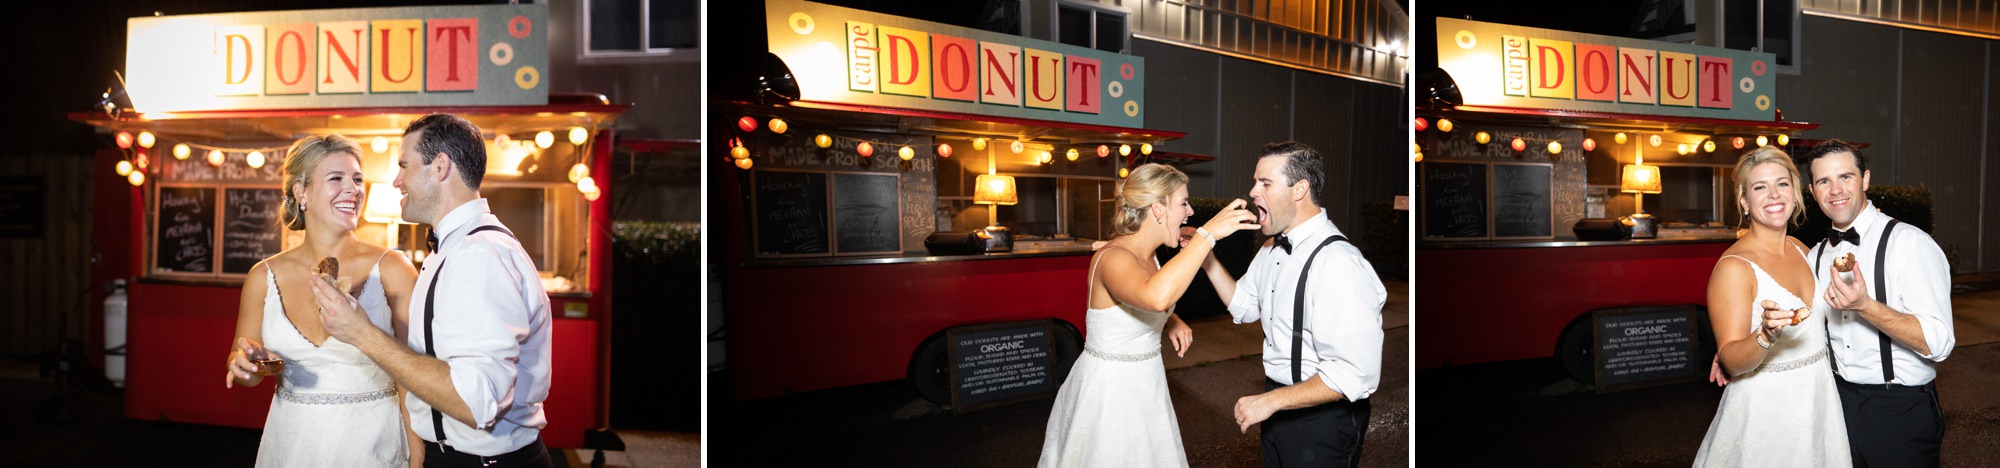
137, 178
1708, 146
1555, 147
1103, 150
1122, 172
1653, 140
747, 124
124, 168
906, 153
1071, 154
822, 140
1784, 139
255, 159
380, 145
944, 150
181, 151
580, 171
123, 139
1762, 140
1620, 138
1146, 148
979, 144
743, 163
215, 158
577, 135
778, 126
1444, 125
1482, 137
1124, 150
545, 139
739, 152
587, 184
146, 139
1017, 146
864, 149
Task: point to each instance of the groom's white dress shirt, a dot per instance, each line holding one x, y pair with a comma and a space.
1343, 329
1919, 285
492, 328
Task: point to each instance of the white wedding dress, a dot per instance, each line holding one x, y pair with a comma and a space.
1114, 409
1786, 412
333, 407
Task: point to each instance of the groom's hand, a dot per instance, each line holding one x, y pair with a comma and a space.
338, 313
1848, 295
1252, 410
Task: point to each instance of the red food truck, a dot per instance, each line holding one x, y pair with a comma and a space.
870, 231
1575, 209
215, 100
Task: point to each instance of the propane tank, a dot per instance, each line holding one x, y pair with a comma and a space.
114, 333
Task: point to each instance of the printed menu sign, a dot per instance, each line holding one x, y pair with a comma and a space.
993, 364
1644, 346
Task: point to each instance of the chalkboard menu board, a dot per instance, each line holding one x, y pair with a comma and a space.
1645, 346
1521, 201
1454, 200
996, 363
250, 231
790, 213
184, 231
866, 212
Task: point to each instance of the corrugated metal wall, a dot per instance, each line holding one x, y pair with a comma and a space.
1230, 108
46, 278
1913, 95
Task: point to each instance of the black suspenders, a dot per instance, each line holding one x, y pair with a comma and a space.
1299, 306
1881, 291
430, 315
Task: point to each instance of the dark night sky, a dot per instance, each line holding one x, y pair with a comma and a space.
62, 54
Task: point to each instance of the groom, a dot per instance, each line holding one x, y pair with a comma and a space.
1323, 338
475, 382
1885, 351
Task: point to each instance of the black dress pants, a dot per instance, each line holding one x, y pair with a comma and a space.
1892, 426
1328, 435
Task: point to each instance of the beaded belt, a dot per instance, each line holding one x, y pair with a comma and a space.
335, 398
1795, 363
1123, 357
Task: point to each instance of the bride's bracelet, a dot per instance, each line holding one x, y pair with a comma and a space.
1763, 339
1204, 233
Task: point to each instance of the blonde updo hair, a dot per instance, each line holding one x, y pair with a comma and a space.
304, 156
1147, 185
1764, 155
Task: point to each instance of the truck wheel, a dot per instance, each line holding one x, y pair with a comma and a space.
1576, 351
930, 370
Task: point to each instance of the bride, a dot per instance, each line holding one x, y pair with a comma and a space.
333, 407
1114, 410
1780, 407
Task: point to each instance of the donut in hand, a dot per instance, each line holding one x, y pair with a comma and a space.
1844, 264
1800, 315
329, 269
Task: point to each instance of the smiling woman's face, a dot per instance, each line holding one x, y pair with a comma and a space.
1767, 195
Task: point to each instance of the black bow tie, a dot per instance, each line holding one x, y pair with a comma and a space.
1836, 236
431, 241
1283, 243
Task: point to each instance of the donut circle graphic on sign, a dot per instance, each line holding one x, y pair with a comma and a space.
1763, 102
1466, 40
1115, 89
1131, 108
527, 77
1127, 71
1757, 67
501, 54
1747, 85
519, 27
801, 22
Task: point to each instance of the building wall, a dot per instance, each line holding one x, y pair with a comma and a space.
1923, 101
1230, 108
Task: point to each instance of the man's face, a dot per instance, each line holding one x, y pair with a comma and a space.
418, 181
1840, 187
1269, 191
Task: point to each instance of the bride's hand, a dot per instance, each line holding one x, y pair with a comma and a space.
242, 363
1775, 318
1180, 334
1230, 219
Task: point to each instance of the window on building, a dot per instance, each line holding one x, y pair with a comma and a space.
640, 28
1093, 26
1762, 25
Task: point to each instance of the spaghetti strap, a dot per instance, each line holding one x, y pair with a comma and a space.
1090, 281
